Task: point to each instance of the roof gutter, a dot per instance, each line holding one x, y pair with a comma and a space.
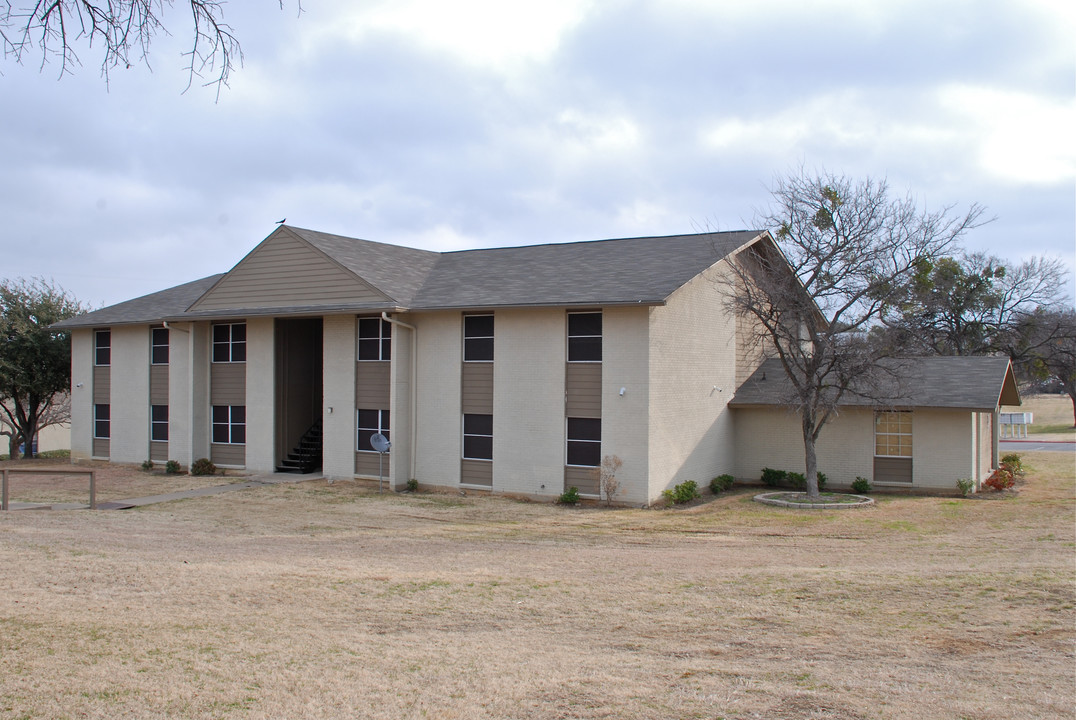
414, 387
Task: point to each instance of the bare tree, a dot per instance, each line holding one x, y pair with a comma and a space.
56, 411
844, 251
123, 31
1053, 336
608, 484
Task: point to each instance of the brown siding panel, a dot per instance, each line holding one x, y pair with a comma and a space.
477, 393
581, 478
583, 390
158, 384
284, 271
892, 469
100, 448
366, 464
373, 385
228, 454
102, 385
158, 451
476, 472
228, 384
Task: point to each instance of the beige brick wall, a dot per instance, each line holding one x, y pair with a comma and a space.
942, 445
261, 391
338, 444
81, 397
528, 402
198, 399
438, 436
130, 394
625, 426
692, 369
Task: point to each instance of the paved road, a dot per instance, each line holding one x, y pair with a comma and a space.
1034, 445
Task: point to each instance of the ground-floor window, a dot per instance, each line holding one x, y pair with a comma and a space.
158, 422
371, 422
230, 424
477, 437
584, 442
893, 434
102, 422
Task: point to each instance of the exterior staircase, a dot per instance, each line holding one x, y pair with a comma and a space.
306, 456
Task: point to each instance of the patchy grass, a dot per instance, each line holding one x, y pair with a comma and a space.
1052, 416
318, 600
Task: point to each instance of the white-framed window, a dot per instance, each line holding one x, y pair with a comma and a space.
369, 423
477, 437
230, 343
158, 423
102, 348
893, 434
478, 338
584, 337
584, 442
102, 421
375, 339
158, 346
230, 424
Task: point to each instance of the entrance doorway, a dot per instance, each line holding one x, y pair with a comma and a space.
299, 367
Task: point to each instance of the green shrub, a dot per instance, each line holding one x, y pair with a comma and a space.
412, 485
1011, 462
569, 496
203, 466
772, 477
172, 467
796, 480
721, 483
147, 465
965, 486
682, 493
861, 485
822, 480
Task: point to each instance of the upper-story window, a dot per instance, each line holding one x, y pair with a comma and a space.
102, 347
585, 337
230, 342
159, 346
478, 338
375, 339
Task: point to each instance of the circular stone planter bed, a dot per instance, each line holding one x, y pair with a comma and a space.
828, 501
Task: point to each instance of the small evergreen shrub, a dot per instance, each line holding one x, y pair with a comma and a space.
1011, 462
965, 486
569, 496
147, 465
412, 485
203, 466
796, 480
861, 485
772, 477
822, 480
721, 483
172, 467
682, 493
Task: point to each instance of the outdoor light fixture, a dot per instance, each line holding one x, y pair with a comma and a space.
622, 391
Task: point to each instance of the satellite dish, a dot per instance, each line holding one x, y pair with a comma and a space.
380, 443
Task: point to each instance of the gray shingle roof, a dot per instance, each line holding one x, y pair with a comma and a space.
146, 309
966, 383
642, 270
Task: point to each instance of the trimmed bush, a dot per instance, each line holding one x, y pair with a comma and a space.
172, 467
772, 477
1002, 479
147, 465
412, 485
682, 493
203, 466
721, 483
569, 496
861, 485
965, 486
822, 480
796, 480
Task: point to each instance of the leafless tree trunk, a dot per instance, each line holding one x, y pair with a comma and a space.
841, 253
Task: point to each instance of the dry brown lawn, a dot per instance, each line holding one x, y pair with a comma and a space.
1052, 416
331, 601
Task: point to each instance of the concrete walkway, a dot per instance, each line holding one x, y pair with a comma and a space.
254, 482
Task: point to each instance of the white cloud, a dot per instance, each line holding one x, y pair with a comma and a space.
1018, 137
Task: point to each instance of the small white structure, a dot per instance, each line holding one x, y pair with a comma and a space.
1014, 424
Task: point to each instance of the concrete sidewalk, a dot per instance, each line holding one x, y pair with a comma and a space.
254, 482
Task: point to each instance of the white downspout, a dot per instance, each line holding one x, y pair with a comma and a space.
414, 386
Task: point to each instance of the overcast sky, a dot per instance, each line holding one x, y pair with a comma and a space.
482, 123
